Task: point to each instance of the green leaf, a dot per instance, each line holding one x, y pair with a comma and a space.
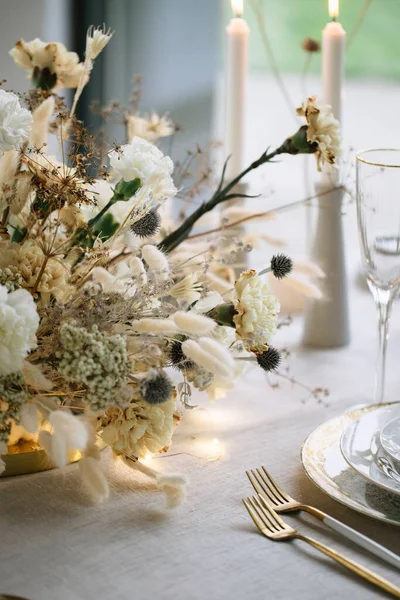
19, 234
124, 190
223, 314
105, 227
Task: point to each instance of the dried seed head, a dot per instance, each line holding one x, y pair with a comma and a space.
156, 387
148, 225
177, 358
310, 45
281, 265
269, 360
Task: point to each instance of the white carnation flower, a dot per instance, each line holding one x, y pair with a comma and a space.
18, 324
143, 160
323, 130
15, 122
139, 428
257, 311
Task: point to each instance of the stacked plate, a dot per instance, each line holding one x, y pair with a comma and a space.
355, 458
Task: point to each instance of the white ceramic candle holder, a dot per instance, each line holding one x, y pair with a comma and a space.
326, 320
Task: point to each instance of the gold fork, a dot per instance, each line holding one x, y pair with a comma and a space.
272, 526
281, 502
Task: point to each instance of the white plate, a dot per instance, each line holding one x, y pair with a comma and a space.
325, 465
360, 446
390, 439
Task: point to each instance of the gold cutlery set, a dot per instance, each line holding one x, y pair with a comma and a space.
270, 500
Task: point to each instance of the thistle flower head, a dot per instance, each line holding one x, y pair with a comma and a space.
281, 265
156, 387
148, 225
177, 358
269, 360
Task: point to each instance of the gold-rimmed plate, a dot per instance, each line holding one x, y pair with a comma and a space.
324, 464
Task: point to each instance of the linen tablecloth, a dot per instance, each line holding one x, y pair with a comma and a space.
54, 546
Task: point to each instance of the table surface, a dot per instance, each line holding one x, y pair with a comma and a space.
53, 545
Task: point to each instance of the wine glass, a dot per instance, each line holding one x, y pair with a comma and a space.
378, 213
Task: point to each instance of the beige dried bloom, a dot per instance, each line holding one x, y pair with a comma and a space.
96, 40
49, 65
150, 127
71, 217
257, 311
323, 130
139, 428
187, 289
27, 260
41, 119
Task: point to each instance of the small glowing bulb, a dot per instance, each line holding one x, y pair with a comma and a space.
147, 457
334, 9
237, 7
215, 442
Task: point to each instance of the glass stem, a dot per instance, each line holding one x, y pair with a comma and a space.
384, 300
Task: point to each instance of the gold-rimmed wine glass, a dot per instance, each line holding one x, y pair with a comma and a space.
378, 214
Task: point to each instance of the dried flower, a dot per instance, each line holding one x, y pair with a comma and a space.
257, 311
28, 417
193, 323
18, 324
12, 281
93, 478
174, 487
149, 128
138, 429
27, 260
281, 265
12, 397
208, 302
205, 359
141, 159
323, 131
155, 326
96, 40
148, 225
310, 45
138, 270
49, 65
69, 433
187, 289
218, 351
41, 118
269, 360
156, 387
94, 359
302, 283
156, 260
177, 358
15, 122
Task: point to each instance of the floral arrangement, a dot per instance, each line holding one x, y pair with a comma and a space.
100, 296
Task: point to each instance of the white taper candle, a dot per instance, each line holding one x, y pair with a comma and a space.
333, 60
237, 57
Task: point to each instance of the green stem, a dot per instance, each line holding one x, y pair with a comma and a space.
101, 213
176, 237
